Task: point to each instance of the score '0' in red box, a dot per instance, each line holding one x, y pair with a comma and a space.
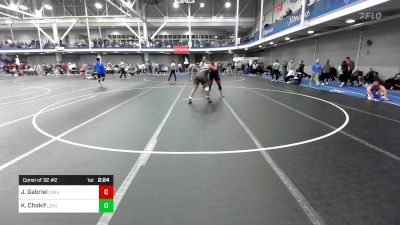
106, 192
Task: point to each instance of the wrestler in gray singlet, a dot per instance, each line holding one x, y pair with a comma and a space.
201, 77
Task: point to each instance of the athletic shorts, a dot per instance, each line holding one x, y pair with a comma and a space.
201, 78
101, 75
214, 76
377, 95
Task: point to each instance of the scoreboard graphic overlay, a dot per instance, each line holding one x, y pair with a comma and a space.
66, 194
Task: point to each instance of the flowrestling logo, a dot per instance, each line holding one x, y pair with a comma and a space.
370, 15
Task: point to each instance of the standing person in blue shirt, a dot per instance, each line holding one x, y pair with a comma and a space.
100, 71
316, 70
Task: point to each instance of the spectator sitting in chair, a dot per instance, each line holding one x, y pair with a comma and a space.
358, 77
393, 83
371, 76
288, 12
377, 92
333, 74
291, 68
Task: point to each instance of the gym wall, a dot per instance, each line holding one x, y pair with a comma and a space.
383, 55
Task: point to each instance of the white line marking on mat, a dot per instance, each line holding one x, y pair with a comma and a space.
52, 96
349, 107
294, 191
9, 163
48, 110
368, 113
214, 152
376, 148
12, 96
37, 96
141, 161
51, 109
346, 90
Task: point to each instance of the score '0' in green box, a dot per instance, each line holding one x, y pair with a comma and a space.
106, 205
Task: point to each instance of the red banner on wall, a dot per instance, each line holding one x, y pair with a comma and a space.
278, 7
181, 50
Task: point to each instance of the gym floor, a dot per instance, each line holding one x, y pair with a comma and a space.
266, 153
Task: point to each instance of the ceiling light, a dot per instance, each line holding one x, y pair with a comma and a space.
38, 13
201, 4
22, 7
271, 43
13, 6
48, 7
260, 46
310, 32
98, 5
227, 4
246, 49
287, 38
350, 21
176, 5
